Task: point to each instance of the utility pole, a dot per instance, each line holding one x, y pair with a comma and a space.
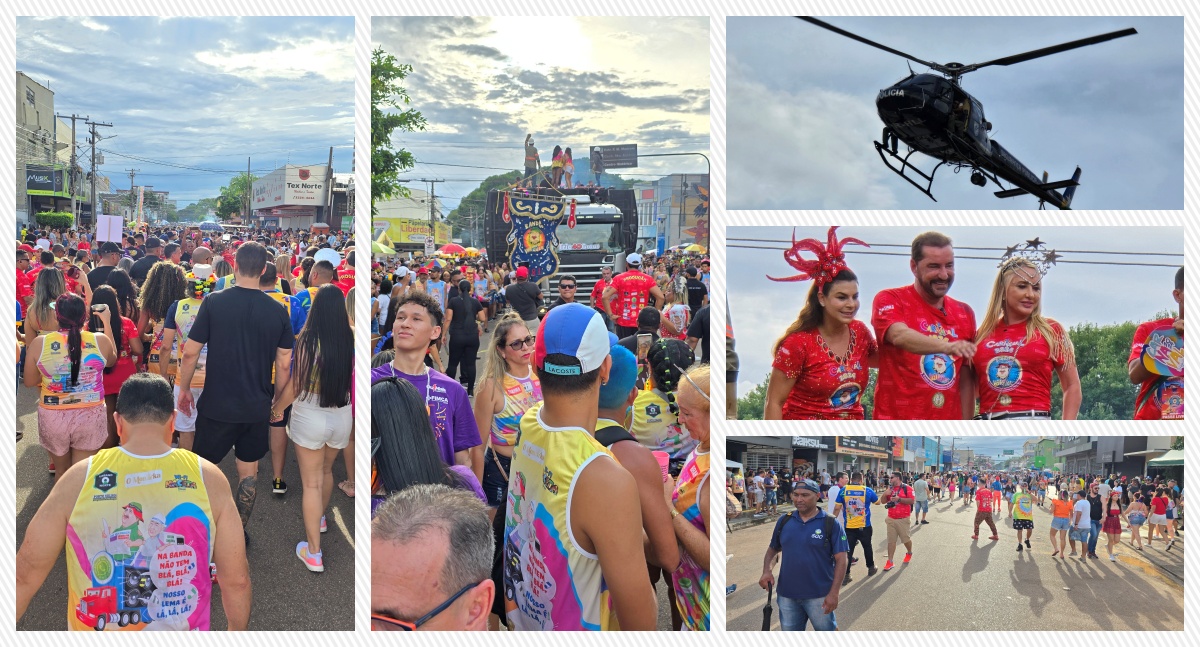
95, 142
246, 218
74, 202
432, 211
132, 204
329, 190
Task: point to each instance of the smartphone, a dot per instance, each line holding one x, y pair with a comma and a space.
226, 237
643, 345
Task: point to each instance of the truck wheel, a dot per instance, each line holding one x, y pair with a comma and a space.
124, 620
135, 619
100, 622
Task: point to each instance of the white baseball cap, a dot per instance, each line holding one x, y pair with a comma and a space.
634, 259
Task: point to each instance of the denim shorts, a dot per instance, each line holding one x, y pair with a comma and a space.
795, 613
1137, 519
1060, 523
921, 506
772, 497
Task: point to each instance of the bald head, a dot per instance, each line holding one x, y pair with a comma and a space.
202, 256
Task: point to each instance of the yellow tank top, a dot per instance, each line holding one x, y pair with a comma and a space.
520, 394
139, 542
657, 429
550, 582
185, 315
55, 366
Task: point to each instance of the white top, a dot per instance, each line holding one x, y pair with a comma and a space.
1085, 519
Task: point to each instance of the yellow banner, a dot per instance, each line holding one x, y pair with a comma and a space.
406, 231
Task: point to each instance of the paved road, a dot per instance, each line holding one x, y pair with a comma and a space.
956, 583
286, 595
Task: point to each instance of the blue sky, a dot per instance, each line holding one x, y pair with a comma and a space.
801, 113
1073, 293
204, 93
484, 82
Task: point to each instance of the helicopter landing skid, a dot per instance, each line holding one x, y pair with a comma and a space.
904, 165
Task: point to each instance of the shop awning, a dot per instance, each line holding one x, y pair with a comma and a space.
732, 465
1173, 457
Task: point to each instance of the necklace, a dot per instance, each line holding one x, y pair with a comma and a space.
841, 361
428, 381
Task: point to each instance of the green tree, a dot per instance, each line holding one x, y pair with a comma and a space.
233, 196
386, 92
198, 210
468, 215
750, 406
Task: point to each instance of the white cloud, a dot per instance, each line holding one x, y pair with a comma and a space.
292, 60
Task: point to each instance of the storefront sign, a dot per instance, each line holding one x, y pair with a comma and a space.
43, 180
811, 442
872, 446
406, 231
292, 185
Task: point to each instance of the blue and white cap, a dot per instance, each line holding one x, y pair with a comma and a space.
576, 331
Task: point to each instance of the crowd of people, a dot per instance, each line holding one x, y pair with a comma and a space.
247, 336
553, 490
812, 573
934, 360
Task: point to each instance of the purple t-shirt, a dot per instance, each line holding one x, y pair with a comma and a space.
450, 413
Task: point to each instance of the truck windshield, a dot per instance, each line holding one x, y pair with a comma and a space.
605, 237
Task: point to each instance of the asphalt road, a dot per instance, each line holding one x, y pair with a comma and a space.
286, 595
956, 583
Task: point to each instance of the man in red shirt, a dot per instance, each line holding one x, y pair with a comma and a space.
984, 499
1160, 397
926, 341
899, 501
632, 290
24, 283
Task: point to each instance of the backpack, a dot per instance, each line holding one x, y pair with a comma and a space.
830, 528
613, 434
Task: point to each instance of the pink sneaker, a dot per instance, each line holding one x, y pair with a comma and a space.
312, 561
323, 526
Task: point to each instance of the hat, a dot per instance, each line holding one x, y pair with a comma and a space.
137, 509
691, 271
522, 272
423, 270
808, 484
576, 331
633, 259
110, 247
401, 272
202, 271
153, 242
26, 247
159, 518
704, 260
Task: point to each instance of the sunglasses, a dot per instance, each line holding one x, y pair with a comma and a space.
381, 622
566, 286
521, 343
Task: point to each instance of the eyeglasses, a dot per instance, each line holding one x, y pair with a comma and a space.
566, 286
521, 343
381, 622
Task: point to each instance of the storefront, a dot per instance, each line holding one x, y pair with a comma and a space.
293, 197
408, 234
760, 452
812, 453
860, 453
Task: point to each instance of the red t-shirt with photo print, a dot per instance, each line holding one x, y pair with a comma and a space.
1014, 374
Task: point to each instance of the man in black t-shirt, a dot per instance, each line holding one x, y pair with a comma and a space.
566, 291
697, 294
248, 334
525, 297
154, 254
697, 334
109, 255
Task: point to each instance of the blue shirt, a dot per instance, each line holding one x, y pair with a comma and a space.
856, 504
807, 568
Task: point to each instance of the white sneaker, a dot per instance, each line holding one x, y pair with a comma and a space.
1112, 558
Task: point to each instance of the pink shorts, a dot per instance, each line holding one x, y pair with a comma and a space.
61, 430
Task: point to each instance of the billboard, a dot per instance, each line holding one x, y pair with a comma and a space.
898, 447
43, 180
406, 231
618, 155
292, 185
872, 446
947, 457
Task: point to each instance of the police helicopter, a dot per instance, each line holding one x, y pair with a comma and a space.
932, 114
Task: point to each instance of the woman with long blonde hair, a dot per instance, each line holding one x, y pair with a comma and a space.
509, 387
1018, 349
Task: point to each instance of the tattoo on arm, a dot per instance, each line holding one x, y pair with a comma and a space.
245, 498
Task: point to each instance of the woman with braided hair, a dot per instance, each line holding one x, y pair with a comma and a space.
165, 284
1018, 349
68, 365
655, 411
823, 360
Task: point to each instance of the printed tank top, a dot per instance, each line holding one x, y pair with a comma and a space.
690, 580
55, 366
520, 394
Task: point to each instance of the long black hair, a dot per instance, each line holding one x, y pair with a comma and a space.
325, 349
71, 312
402, 444
127, 294
106, 295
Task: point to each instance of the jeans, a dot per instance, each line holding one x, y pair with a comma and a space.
862, 536
1093, 535
920, 506
795, 613
772, 498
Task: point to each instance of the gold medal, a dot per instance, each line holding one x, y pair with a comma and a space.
1005, 400
938, 400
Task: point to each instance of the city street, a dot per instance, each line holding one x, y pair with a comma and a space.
286, 595
956, 583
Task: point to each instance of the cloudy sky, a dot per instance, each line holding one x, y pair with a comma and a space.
191, 98
483, 83
801, 113
1072, 292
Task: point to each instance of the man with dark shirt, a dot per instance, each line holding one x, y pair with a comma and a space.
154, 254
648, 321
247, 334
525, 297
110, 255
566, 291
697, 294
697, 334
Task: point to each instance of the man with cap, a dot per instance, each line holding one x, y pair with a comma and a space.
154, 254
110, 255
24, 283
532, 161
564, 483
629, 292
648, 321
93, 496
814, 548
525, 298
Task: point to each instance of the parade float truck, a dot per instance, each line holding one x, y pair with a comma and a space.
565, 231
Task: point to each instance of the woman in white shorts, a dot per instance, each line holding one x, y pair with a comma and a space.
319, 391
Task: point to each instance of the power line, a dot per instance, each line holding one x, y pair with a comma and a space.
976, 249
984, 258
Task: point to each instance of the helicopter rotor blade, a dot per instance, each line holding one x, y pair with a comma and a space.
866, 41
1056, 49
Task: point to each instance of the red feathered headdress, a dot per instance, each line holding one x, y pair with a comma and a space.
829, 262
